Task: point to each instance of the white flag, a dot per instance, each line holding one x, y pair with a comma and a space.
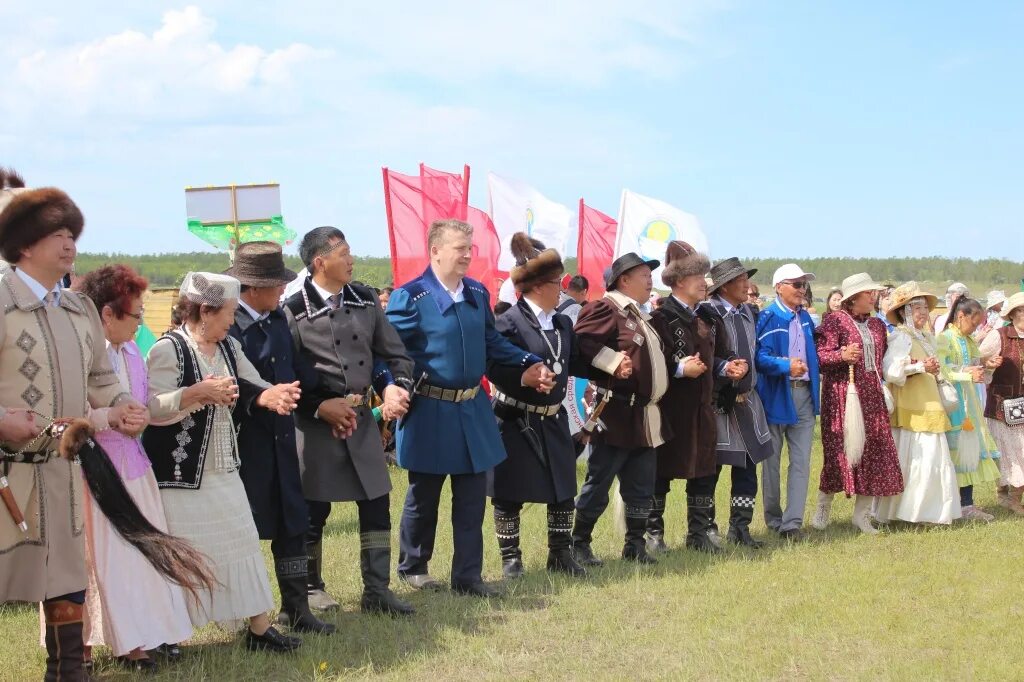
647, 225
517, 207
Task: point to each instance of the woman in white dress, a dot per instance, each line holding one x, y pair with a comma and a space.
919, 420
131, 608
198, 376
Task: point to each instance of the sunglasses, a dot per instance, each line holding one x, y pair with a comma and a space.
799, 286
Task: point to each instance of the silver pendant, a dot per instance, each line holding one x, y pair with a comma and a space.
556, 367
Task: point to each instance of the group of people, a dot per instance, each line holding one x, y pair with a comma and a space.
254, 414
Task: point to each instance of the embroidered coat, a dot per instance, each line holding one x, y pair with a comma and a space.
613, 324
343, 345
526, 476
53, 359
452, 344
689, 404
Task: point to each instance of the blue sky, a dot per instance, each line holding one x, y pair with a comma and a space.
789, 128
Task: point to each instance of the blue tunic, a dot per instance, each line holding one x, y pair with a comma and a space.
452, 343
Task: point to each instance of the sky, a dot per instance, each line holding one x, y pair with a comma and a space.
798, 128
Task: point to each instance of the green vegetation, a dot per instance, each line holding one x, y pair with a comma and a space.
913, 603
167, 270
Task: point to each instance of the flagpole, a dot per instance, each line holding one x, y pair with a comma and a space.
391, 226
465, 193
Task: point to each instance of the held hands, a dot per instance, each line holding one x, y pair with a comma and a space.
282, 398
931, 365
798, 368
539, 378
625, 368
736, 369
851, 354
218, 390
396, 402
18, 426
994, 362
693, 367
977, 374
340, 415
129, 418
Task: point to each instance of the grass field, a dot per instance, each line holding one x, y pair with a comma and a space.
913, 603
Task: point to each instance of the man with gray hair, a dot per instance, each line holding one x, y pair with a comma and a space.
445, 320
955, 291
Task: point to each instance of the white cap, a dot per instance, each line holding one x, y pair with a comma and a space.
209, 288
791, 272
995, 297
957, 288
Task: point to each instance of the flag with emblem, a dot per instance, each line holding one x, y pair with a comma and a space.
647, 225
595, 247
517, 207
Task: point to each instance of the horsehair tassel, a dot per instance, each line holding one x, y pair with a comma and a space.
12, 505
173, 557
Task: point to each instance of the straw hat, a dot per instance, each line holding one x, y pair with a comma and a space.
855, 284
1015, 301
904, 294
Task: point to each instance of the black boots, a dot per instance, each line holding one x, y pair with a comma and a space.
506, 527
740, 516
316, 590
582, 534
292, 574
635, 547
656, 526
700, 524
375, 563
560, 557
64, 647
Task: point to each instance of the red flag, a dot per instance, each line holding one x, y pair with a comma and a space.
403, 200
445, 195
595, 247
486, 248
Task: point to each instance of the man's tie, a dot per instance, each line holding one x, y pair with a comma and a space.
50, 299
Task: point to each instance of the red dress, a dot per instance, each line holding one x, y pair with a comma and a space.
878, 473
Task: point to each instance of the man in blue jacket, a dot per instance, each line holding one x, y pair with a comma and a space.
787, 362
444, 319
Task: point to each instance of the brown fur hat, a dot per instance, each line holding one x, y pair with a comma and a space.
34, 214
10, 185
682, 260
534, 263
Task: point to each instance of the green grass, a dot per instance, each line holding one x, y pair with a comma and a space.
913, 603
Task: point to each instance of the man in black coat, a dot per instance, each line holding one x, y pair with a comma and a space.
266, 441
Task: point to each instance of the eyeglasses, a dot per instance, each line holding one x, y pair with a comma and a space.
138, 315
799, 285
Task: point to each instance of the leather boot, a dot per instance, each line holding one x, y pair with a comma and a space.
582, 534
291, 578
65, 650
375, 563
506, 527
862, 515
698, 521
741, 513
656, 526
560, 557
317, 596
635, 547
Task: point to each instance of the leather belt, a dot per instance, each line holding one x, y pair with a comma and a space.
800, 382
451, 395
542, 410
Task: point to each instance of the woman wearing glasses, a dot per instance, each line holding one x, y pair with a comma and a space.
131, 607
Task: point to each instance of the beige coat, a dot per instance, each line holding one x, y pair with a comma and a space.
52, 360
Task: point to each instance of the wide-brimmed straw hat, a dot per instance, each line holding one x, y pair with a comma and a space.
855, 284
260, 264
996, 297
1010, 304
904, 294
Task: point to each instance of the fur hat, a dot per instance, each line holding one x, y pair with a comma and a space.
682, 260
534, 263
33, 214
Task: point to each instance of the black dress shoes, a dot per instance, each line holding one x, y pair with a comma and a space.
271, 640
139, 665
477, 589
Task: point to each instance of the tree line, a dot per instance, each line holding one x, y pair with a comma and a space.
168, 269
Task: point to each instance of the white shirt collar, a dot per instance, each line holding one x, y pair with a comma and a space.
724, 303
38, 289
682, 302
545, 319
252, 311
324, 294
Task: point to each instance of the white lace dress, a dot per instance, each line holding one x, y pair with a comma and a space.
216, 518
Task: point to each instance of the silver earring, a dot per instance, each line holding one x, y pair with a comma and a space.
202, 329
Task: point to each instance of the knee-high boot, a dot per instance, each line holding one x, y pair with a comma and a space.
318, 597
582, 535
741, 513
375, 563
292, 574
698, 517
64, 647
506, 527
656, 525
635, 547
560, 557
862, 514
